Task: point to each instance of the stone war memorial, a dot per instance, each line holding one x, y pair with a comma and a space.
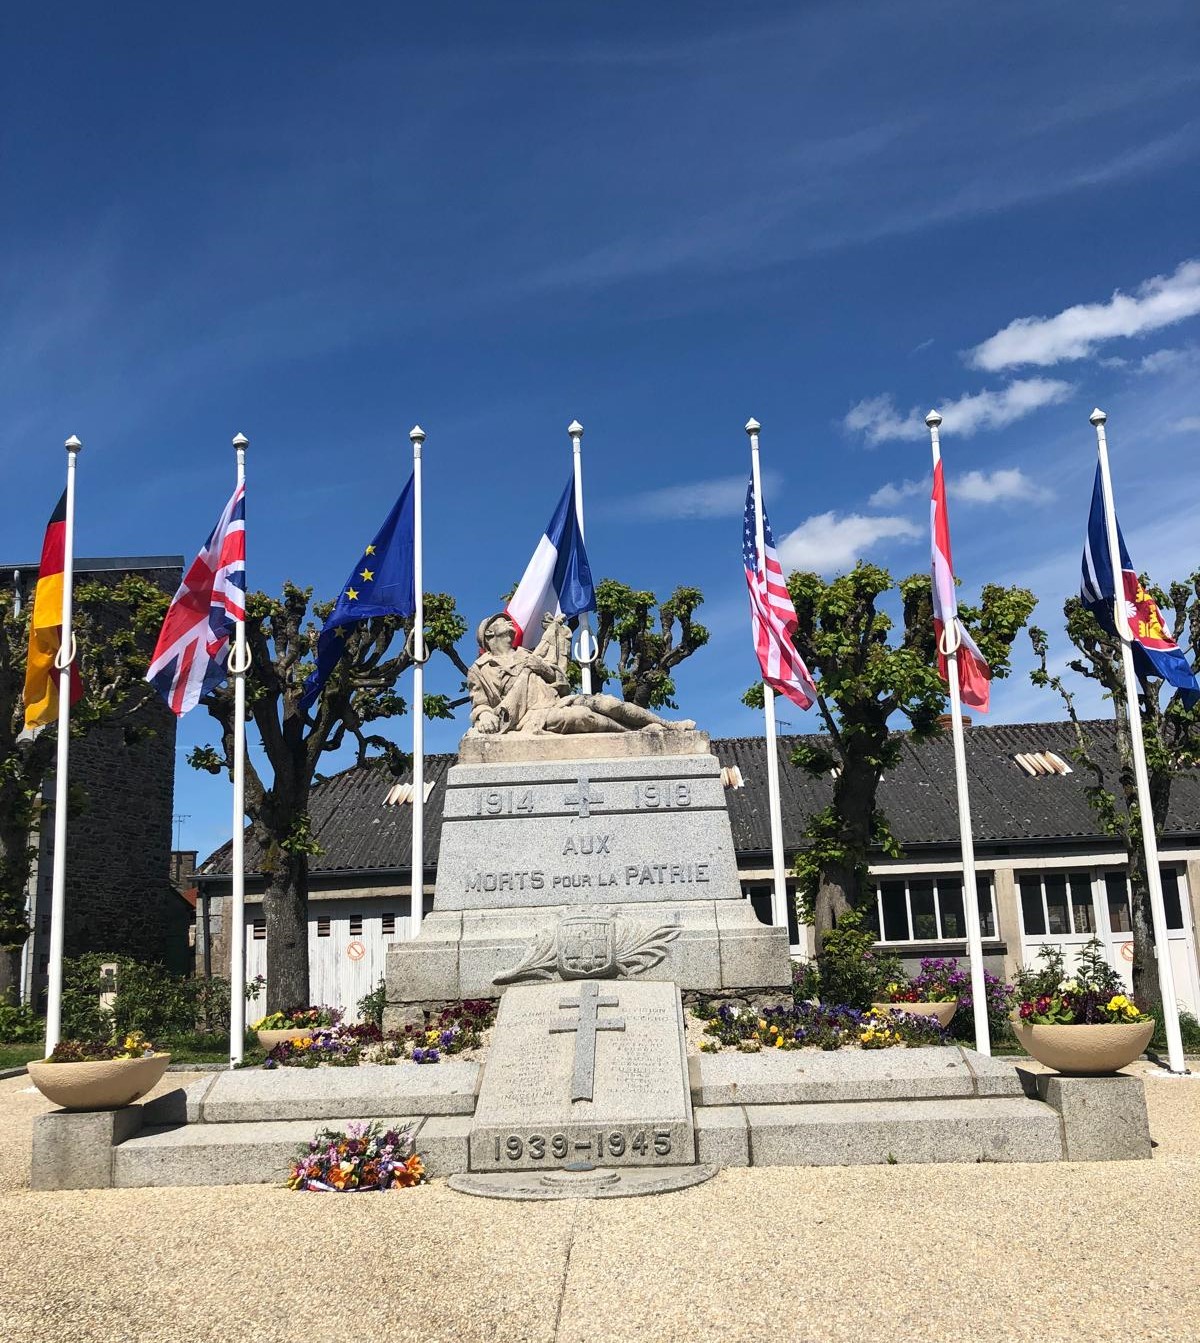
587, 882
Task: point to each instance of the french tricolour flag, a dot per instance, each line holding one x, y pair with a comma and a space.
974, 674
558, 580
192, 653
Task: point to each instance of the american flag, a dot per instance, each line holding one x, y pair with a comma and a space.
193, 648
772, 615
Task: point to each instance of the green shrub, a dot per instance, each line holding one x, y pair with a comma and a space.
149, 998
1189, 1029
371, 1005
850, 972
20, 1025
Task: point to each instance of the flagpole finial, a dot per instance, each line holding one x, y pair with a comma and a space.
575, 429
240, 441
933, 419
72, 444
1097, 416
416, 434
752, 426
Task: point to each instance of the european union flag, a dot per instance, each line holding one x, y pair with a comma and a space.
381, 584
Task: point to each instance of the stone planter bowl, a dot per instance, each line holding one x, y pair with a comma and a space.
269, 1039
1087, 1050
943, 1011
107, 1084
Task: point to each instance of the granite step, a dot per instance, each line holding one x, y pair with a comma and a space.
261, 1152
863, 1133
371, 1090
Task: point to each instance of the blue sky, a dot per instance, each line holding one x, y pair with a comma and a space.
318, 227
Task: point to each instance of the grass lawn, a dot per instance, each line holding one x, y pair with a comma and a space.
193, 1049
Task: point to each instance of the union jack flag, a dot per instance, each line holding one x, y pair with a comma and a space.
772, 615
192, 653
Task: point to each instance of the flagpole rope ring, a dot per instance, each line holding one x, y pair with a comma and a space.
583, 639
410, 649
950, 640
236, 667
62, 663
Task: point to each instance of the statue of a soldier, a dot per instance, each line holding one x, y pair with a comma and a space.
515, 690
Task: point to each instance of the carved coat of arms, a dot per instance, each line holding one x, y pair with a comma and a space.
596, 945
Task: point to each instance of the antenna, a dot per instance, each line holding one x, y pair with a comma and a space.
178, 821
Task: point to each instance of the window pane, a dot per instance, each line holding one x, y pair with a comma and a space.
987, 917
1056, 902
1033, 921
1116, 886
920, 894
356, 925
389, 925
793, 923
895, 914
1170, 885
954, 923
871, 915
1083, 912
760, 902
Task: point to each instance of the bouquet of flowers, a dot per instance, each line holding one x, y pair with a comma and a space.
1093, 994
363, 1157
134, 1046
940, 981
300, 1019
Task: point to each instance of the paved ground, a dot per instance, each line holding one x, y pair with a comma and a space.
887, 1253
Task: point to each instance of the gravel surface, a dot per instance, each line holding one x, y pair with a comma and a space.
891, 1253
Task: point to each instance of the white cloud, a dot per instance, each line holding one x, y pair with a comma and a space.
879, 419
1075, 332
1002, 486
722, 497
1190, 424
828, 542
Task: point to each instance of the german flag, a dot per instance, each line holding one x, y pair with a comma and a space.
45, 629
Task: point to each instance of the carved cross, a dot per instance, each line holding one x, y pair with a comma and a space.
582, 797
588, 1023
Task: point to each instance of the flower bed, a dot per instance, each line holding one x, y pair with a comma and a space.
363, 1157
1093, 995
812, 1026
454, 1031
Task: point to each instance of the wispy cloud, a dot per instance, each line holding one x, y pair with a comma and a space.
720, 497
1077, 331
1002, 486
1190, 424
830, 541
879, 420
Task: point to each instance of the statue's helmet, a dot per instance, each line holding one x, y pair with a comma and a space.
485, 625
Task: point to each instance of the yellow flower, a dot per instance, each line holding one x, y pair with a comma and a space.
774, 1030
1118, 1003
762, 1025
778, 1041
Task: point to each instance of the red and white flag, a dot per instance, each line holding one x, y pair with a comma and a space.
772, 615
974, 674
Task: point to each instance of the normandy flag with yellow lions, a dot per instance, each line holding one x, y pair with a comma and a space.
45, 629
381, 584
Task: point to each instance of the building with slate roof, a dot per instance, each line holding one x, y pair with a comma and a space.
1046, 872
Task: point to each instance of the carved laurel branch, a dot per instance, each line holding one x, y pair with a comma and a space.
636, 954
539, 962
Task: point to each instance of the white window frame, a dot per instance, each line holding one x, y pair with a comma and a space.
987, 875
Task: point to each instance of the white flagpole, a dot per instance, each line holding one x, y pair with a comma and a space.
62, 661
584, 646
416, 902
1158, 914
238, 664
779, 890
952, 641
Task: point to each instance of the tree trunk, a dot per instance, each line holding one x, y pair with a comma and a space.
285, 904
15, 868
10, 976
833, 899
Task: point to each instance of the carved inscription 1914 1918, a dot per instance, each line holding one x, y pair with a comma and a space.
571, 1079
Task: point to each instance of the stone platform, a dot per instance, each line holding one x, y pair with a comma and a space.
851, 1107
611, 865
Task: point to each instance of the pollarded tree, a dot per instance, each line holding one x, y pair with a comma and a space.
116, 625
359, 692
649, 639
865, 680
1171, 731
